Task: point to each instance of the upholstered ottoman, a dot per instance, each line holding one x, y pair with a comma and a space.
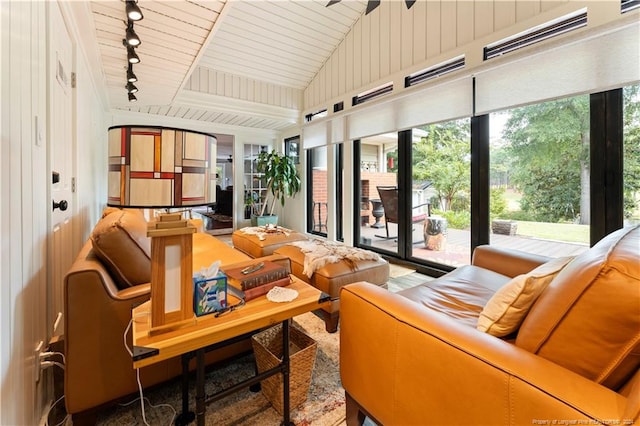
328, 271
255, 242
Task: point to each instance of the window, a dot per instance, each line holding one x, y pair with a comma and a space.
631, 154
435, 71
315, 115
537, 34
318, 203
372, 94
628, 5
378, 169
440, 192
339, 195
539, 177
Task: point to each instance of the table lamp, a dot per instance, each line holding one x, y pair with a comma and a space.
157, 167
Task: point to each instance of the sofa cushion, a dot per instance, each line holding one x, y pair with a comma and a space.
108, 210
120, 241
587, 319
508, 307
461, 294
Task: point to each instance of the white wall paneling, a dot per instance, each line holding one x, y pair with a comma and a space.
392, 40
214, 82
23, 209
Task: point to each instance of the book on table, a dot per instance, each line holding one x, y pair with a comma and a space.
261, 290
258, 278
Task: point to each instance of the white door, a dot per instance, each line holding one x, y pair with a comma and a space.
61, 163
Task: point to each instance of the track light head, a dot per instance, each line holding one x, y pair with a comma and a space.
131, 77
132, 57
132, 97
131, 36
131, 88
133, 11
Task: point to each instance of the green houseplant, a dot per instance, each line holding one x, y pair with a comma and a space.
282, 179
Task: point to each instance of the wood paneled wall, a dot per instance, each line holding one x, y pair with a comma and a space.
220, 83
393, 39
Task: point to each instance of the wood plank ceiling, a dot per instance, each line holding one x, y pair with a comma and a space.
280, 43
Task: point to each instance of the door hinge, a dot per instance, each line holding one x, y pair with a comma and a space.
73, 184
73, 80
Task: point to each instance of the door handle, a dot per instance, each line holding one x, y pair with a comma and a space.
62, 205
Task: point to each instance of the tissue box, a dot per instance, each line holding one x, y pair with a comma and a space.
209, 294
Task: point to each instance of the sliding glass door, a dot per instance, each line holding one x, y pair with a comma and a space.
440, 177
377, 206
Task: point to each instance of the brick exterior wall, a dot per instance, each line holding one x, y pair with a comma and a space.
369, 182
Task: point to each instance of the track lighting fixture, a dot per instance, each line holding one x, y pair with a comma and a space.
131, 88
131, 36
132, 57
133, 11
131, 41
131, 77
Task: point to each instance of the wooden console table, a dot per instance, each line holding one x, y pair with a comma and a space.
209, 332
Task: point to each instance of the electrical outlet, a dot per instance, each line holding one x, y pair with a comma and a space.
36, 366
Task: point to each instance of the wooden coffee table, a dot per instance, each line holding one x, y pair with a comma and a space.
209, 333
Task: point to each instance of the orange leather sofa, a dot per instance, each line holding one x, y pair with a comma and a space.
108, 278
417, 358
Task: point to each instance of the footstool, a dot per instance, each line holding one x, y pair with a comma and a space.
257, 244
331, 277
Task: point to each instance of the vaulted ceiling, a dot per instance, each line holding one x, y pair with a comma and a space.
236, 62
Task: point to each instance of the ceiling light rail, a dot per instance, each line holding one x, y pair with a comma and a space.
131, 41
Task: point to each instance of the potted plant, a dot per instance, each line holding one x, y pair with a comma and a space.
283, 181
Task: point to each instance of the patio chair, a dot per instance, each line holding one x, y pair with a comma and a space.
389, 197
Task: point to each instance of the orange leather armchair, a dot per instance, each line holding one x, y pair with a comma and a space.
416, 358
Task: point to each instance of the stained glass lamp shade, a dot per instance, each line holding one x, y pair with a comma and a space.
156, 167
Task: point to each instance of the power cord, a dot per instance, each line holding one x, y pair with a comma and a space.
142, 398
63, 421
45, 363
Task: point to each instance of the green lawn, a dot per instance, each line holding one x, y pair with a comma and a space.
554, 231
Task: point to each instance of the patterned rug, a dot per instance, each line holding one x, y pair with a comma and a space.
325, 404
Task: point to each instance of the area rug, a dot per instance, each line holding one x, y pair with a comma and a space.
325, 404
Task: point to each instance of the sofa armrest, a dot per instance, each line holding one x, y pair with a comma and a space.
98, 367
406, 364
507, 262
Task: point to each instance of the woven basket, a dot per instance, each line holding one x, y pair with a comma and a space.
267, 346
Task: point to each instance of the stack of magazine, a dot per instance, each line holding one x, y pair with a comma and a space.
257, 279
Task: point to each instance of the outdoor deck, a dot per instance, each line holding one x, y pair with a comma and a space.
458, 245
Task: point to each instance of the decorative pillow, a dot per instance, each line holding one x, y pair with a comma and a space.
507, 308
120, 241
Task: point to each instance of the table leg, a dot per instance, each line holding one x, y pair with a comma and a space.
200, 396
186, 416
285, 374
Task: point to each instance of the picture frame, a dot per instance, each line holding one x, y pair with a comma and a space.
292, 149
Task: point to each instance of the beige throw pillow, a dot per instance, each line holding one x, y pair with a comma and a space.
508, 307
